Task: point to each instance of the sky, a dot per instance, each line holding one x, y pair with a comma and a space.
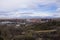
31, 8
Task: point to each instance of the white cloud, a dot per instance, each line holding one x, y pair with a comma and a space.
41, 14
10, 5
15, 4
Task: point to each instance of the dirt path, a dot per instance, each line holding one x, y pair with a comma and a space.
46, 31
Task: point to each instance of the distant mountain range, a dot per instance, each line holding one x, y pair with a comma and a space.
28, 17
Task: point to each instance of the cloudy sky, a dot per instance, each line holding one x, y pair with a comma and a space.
22, 8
